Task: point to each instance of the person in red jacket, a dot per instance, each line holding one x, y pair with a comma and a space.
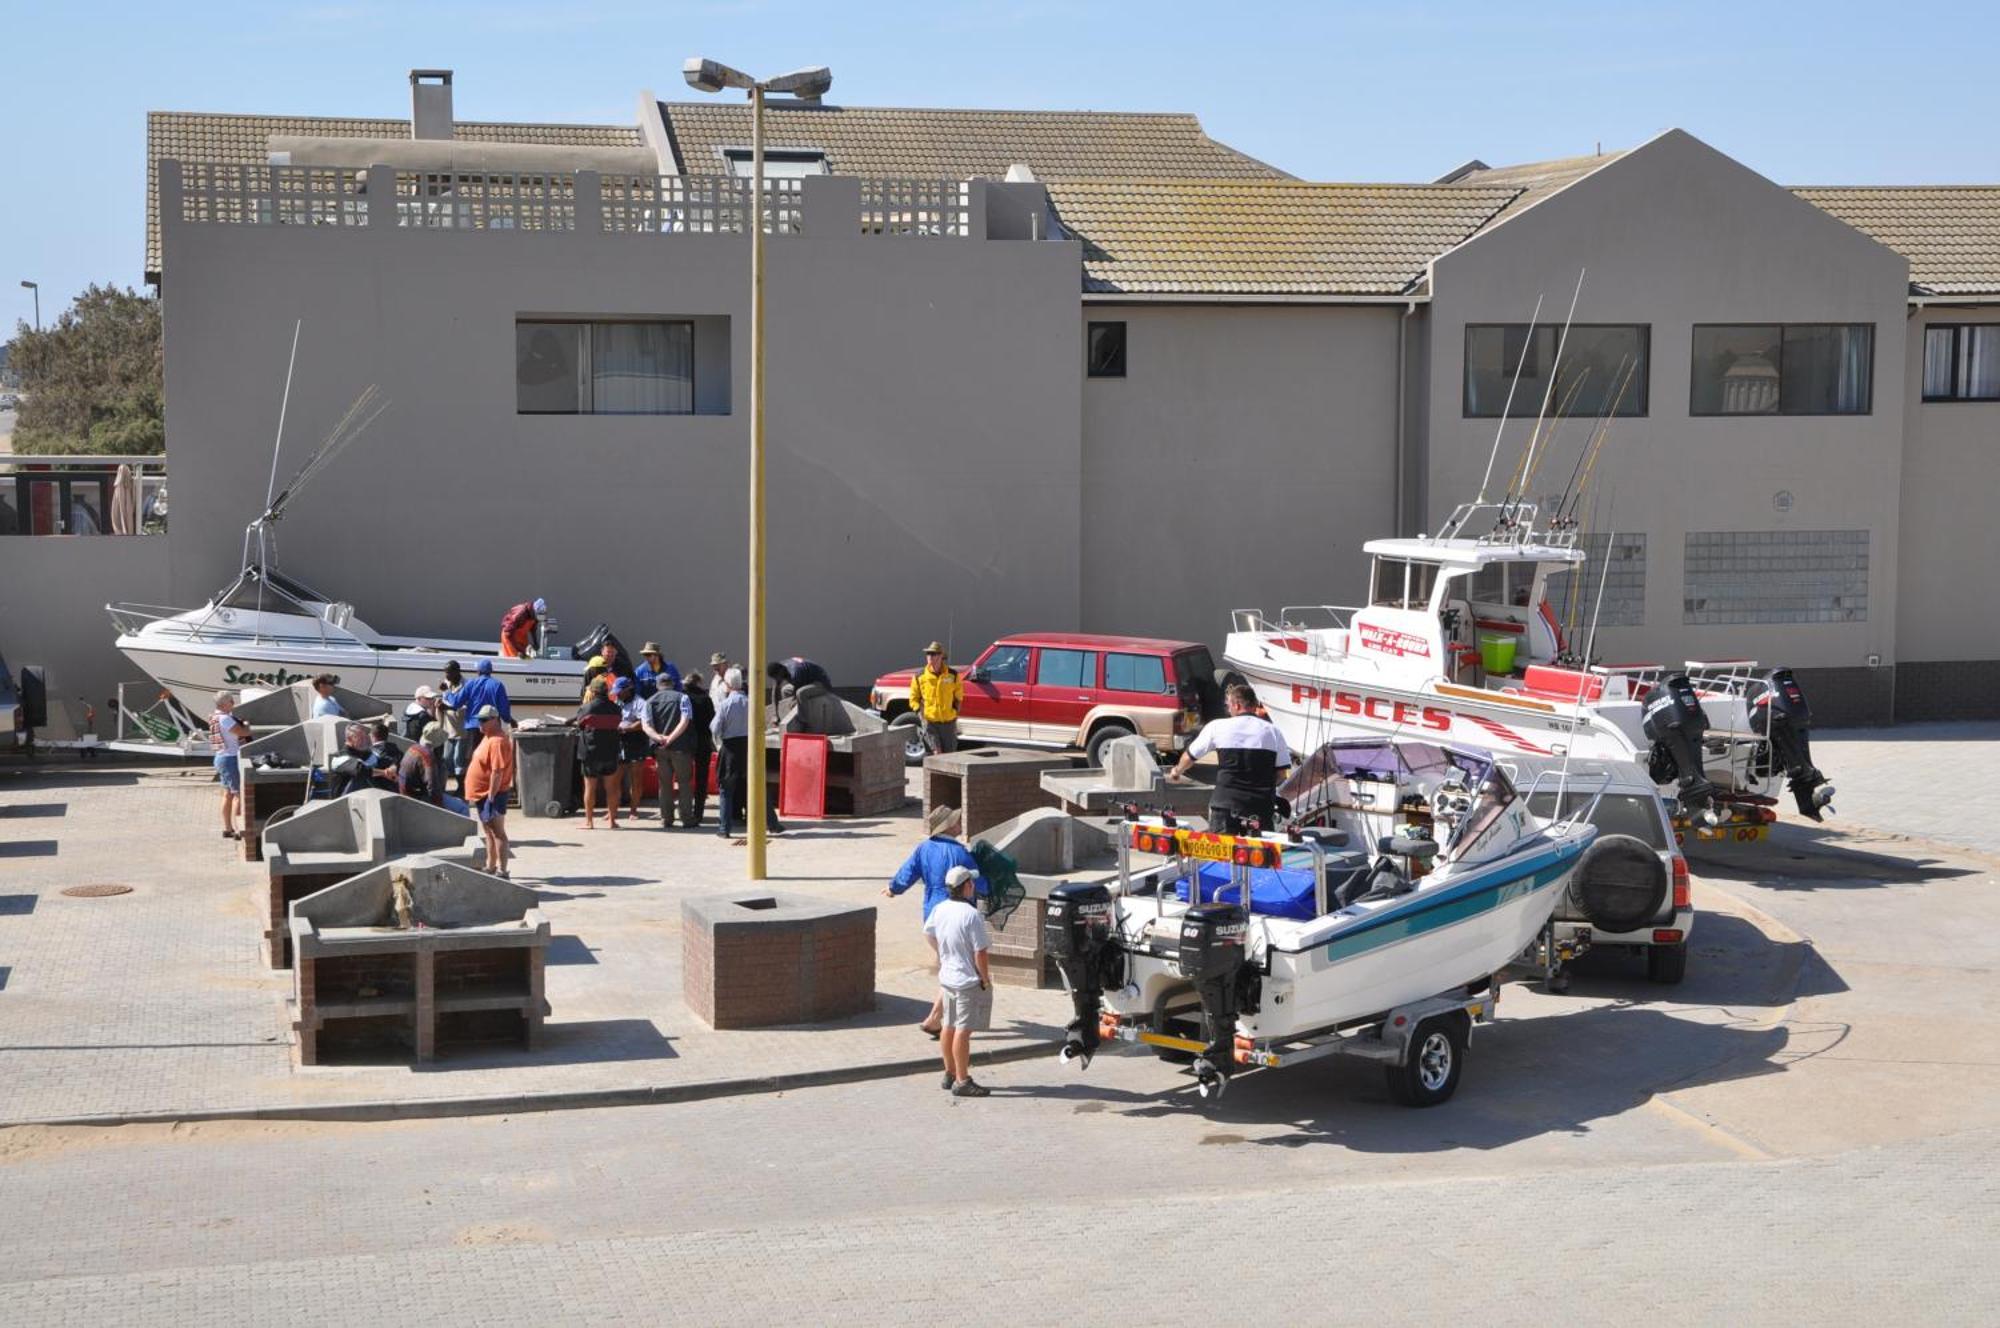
521, 629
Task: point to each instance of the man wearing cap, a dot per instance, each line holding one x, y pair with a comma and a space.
420, 713
477, 693
521, 630
487, 782
958, 937
647, 675
933, 862
936, 694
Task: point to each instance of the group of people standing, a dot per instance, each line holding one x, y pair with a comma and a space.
633, 712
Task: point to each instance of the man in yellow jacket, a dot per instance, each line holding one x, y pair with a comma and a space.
936, 693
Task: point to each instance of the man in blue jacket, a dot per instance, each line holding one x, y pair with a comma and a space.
929, 863
482, 689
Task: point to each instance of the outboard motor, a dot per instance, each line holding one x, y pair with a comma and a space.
1780, 716
1212, 956
1676, 725
1076, 933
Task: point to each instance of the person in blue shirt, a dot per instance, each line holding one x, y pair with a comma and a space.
482, 689
930, 862
647, 675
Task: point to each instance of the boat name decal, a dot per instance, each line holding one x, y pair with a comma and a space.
241, 677
1391, 642
1381, 708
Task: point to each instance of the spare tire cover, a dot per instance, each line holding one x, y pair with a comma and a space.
1620, 884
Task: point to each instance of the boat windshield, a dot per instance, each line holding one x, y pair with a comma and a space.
1316, 783
259, 589
1402, 583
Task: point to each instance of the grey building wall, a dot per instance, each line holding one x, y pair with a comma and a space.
1240, 463
1948, 606
1674, 234
923, 432
53, 590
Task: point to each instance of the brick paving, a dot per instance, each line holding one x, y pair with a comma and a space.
159, 1001
1939, 782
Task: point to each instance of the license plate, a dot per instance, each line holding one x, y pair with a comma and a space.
1207, 848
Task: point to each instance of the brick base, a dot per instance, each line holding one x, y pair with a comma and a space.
753, 959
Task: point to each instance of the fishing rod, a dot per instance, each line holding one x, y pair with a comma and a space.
1548, 393
1604, 432
1534, 320
1556, 421
1594, 442
1562, 780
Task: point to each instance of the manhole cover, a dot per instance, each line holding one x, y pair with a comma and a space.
99, 891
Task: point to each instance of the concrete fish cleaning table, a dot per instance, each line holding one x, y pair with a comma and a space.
278, 771
418, 954
291, 705
328, 842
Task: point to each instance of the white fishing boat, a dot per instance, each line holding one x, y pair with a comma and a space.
269, 630
1408, 869
1416, 659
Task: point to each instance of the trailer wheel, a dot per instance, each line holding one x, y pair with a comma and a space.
1429, 1074
1667, 964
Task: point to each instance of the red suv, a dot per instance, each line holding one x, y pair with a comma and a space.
1072, 689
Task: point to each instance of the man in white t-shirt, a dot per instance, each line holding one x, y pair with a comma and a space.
1250, 754
959, 938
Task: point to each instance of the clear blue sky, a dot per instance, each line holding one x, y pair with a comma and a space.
1821, 93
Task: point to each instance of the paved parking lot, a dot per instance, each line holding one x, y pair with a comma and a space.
1802, 1132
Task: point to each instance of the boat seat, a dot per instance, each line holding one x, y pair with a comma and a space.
1555, 684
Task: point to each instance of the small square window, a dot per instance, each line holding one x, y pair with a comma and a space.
1106, 350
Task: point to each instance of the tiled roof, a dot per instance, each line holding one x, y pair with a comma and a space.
201, 136
1950, 233
1266, 237
895, 142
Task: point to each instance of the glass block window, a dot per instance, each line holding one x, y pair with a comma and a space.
1775, 576
1623, 569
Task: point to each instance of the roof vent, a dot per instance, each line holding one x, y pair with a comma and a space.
1019, 173
430, 103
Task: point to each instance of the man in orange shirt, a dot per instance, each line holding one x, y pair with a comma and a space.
488, 780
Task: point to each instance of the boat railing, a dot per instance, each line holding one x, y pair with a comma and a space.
1513, 525
1730, 677
128, 618
1584, 810
1317, 617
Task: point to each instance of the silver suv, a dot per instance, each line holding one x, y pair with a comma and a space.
1631, 888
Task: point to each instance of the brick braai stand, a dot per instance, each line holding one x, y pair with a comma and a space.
753, 958
988, 785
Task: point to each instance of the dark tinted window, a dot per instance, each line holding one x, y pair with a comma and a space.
1600, 364
1066, 668
1782, 369
1105, 350
1134, 673
1006, 664
1619, 813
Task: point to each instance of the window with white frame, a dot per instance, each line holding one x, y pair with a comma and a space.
1962, 362
626, 367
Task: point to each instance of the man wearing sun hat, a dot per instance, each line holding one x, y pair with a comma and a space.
936, 693
933, 863
647, 675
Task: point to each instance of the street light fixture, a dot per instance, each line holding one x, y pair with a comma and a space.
807, 85
37, 289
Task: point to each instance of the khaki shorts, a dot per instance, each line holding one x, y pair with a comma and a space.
970, 1008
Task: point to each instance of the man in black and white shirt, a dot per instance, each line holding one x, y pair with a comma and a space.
1250, 753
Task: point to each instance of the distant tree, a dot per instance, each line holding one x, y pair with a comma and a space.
90, 382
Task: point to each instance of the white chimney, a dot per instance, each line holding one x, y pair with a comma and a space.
430, 103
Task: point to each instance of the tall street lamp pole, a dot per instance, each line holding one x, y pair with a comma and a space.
36, 288
808, 85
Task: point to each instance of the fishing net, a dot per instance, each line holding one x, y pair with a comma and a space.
1003, 881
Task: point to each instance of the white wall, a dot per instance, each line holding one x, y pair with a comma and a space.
1949, 607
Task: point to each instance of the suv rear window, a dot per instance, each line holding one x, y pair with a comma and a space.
1134, 673
1619, 814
